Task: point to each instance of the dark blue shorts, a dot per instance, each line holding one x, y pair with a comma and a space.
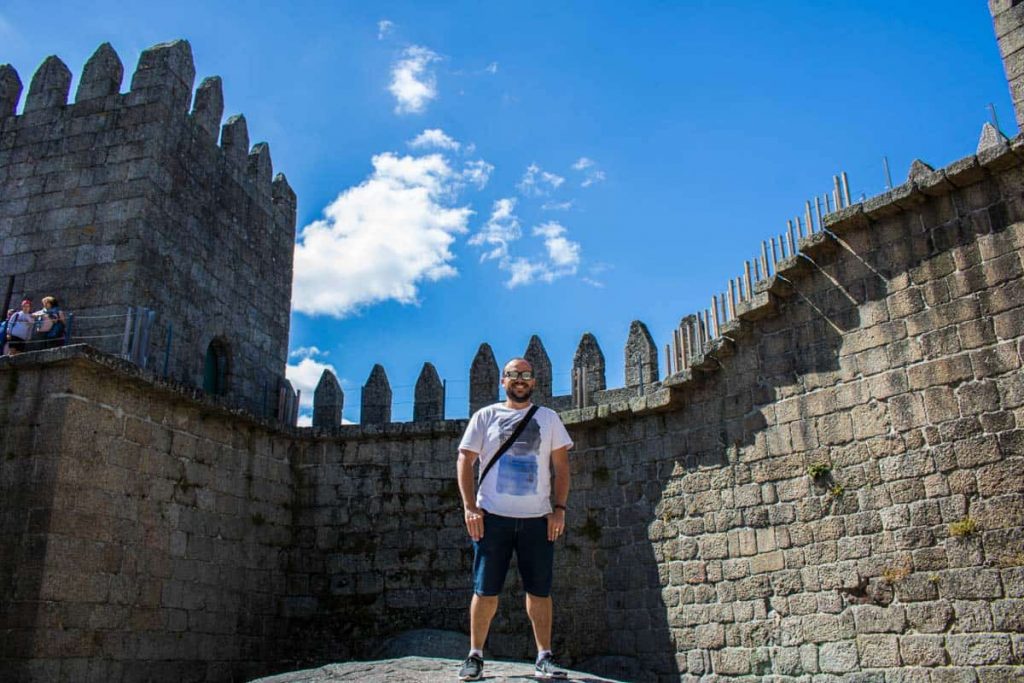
535, 554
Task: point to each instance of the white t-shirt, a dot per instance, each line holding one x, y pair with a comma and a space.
519, 484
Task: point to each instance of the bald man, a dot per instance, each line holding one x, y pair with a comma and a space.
519, 508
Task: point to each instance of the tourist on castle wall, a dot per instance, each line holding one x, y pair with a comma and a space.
516, 508
50, 323
19, 328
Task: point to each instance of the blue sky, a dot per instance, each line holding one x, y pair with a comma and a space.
473, 172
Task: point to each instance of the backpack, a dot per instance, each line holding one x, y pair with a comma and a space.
55, 332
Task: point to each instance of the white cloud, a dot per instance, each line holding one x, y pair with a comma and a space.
562, 252
384, 28
412, 80
501, 229
381, 239
552, 205
588, 167
308, 352
304, 420
491, 68
305, 376
561, 256
434, 138
477, 173
537, 182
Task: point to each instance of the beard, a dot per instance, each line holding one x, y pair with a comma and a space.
519, 393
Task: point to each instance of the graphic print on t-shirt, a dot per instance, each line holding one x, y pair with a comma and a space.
518, 468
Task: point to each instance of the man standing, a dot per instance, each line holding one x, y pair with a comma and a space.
517, 509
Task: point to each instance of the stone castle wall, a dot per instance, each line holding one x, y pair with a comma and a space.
832, 491
120, 200
142, 530
834, 488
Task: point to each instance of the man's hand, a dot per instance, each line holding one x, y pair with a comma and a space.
475, 523
556, 524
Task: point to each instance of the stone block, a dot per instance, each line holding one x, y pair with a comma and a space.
996, 360
971, 584
838, 657
1000, 674
942, 371
972, 616
1008, 615
875, 619
953, 675
710, 636
979, 649
878, 651
767, 562
823, 628
940, 404
921, 650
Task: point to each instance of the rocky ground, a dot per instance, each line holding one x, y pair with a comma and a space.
416, 670
428, 655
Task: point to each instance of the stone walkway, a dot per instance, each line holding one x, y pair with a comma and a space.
417, 670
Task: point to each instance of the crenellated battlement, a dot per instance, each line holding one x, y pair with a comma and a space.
113, 196
588, 388
163, 79
643, 387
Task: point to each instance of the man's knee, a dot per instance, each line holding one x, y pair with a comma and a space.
485, 600
537, 602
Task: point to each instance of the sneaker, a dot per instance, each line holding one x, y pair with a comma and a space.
472, 669
546, 668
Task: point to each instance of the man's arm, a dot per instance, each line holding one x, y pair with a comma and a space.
556, 520
467, 487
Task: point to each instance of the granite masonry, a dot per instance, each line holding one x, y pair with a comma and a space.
832, 491
120, 200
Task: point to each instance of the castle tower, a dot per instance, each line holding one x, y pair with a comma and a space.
428, 403
376, 398
1008, 20
141, 207
641, 356
483, 379
588, 371
537, 356
328, 402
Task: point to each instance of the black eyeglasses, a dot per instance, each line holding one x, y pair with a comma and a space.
519, 374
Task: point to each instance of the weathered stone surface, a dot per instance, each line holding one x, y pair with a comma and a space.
990, 137
428, 402
919, 170
209, 105
10, 90
641, 356
101, 76
166, 73
234, 139
260, 168
328, 402
537, 356
376, 398
588, 368
484, 379
50, 85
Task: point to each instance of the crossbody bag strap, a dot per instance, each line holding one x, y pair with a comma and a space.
508, 443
